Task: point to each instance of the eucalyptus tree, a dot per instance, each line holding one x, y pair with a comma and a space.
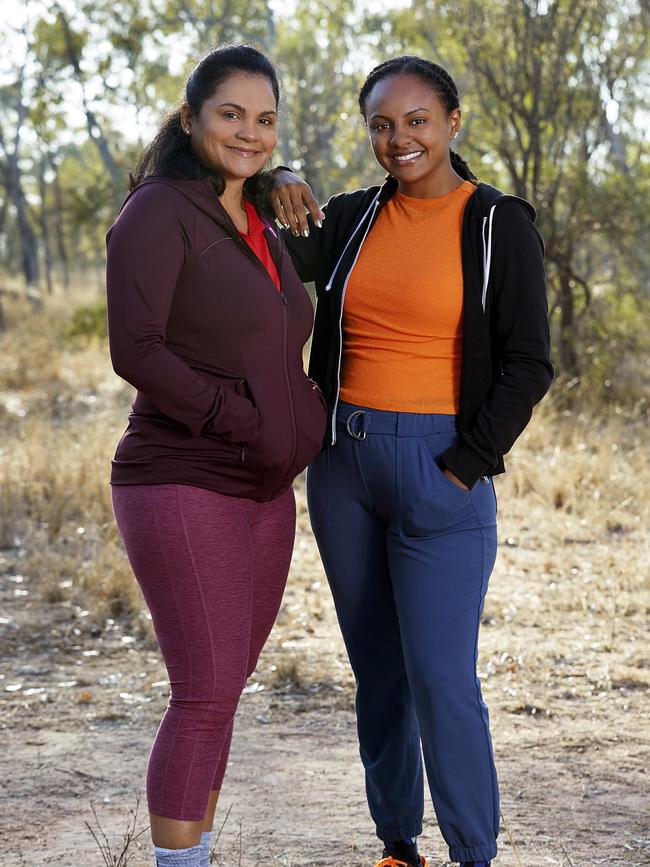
555, 91
322, 55
18, 87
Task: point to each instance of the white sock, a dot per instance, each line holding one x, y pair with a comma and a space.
206, 842
178, 857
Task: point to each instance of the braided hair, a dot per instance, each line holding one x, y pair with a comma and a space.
170, 154
432, 74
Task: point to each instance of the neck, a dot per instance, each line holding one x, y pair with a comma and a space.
233, 195
232, 200
433, 185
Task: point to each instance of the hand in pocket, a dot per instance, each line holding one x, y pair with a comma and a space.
454, 478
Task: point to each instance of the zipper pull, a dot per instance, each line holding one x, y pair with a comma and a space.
284, 298
243, 454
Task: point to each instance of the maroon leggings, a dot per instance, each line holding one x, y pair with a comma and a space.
212, 570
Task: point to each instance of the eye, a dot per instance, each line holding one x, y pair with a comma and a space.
418, 120
378, 127
231, 115
266, 121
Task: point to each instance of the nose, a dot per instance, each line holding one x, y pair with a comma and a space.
247, 130
400, 137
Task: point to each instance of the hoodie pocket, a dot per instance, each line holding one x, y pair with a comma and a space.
238, 422
311, 418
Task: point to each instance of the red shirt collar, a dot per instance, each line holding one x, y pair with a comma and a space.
256, 225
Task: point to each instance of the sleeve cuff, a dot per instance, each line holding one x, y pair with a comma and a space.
465, 463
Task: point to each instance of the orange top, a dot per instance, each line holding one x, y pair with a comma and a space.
403, 313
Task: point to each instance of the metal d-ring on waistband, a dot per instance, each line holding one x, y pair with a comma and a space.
357, 435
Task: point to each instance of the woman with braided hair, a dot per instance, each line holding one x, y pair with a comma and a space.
431, 345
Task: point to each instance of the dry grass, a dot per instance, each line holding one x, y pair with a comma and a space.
564, 656
573, 480
61, 413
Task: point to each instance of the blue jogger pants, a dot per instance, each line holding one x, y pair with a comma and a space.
408, 555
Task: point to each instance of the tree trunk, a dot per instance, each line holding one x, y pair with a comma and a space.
15, 194
568, 337
92, 124
44, 225
28, 249
61, 246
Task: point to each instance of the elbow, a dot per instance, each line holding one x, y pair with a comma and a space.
132, 358
544, 379
122, 367
123, 363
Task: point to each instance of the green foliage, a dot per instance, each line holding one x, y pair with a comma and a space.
322, 135
554, 96
89, 323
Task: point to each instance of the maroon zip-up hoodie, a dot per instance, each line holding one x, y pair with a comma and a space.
213, 349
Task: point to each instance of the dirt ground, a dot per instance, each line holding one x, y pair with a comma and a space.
566, 681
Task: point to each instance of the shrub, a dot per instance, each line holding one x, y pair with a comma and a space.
89, 322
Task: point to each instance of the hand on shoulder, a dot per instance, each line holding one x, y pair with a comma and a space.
292, 200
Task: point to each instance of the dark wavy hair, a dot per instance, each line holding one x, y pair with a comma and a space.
433, 75
171, 155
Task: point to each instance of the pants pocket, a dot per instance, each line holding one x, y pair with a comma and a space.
430, 502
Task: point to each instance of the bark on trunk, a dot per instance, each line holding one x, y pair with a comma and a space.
568, 352
61, 246
44, 226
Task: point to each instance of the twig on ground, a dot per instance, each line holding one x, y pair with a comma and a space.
122, 858
213, 853
510, 838
566, 855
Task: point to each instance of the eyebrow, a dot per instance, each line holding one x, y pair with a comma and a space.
406, 114
241, 108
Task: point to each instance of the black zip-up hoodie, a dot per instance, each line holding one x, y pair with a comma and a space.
506, 367
215, 351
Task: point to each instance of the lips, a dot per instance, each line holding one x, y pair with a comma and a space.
246, 153
406, 159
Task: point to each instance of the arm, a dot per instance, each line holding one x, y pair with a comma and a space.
146, 251
521, 329
302, 221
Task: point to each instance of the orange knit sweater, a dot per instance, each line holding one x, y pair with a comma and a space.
402, 319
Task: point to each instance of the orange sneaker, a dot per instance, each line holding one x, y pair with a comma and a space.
393, 862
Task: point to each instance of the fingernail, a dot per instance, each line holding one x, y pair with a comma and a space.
322, 215
285, 225
305, 233
319, 223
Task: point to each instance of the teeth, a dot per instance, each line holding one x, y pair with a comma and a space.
408, 156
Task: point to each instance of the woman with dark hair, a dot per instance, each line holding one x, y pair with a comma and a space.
431, 344
208, 319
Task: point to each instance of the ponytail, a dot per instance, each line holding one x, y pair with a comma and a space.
461, 168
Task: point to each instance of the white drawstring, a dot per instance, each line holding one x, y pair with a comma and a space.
487, 256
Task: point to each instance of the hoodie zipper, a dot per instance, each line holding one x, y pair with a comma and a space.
285, 341
372, 205
345, 286
243, 246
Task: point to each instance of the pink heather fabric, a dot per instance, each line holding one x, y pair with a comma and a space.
212, 570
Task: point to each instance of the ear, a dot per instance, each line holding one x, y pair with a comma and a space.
454, 123
186, 118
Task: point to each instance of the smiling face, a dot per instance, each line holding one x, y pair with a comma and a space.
236, 128
410, 131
